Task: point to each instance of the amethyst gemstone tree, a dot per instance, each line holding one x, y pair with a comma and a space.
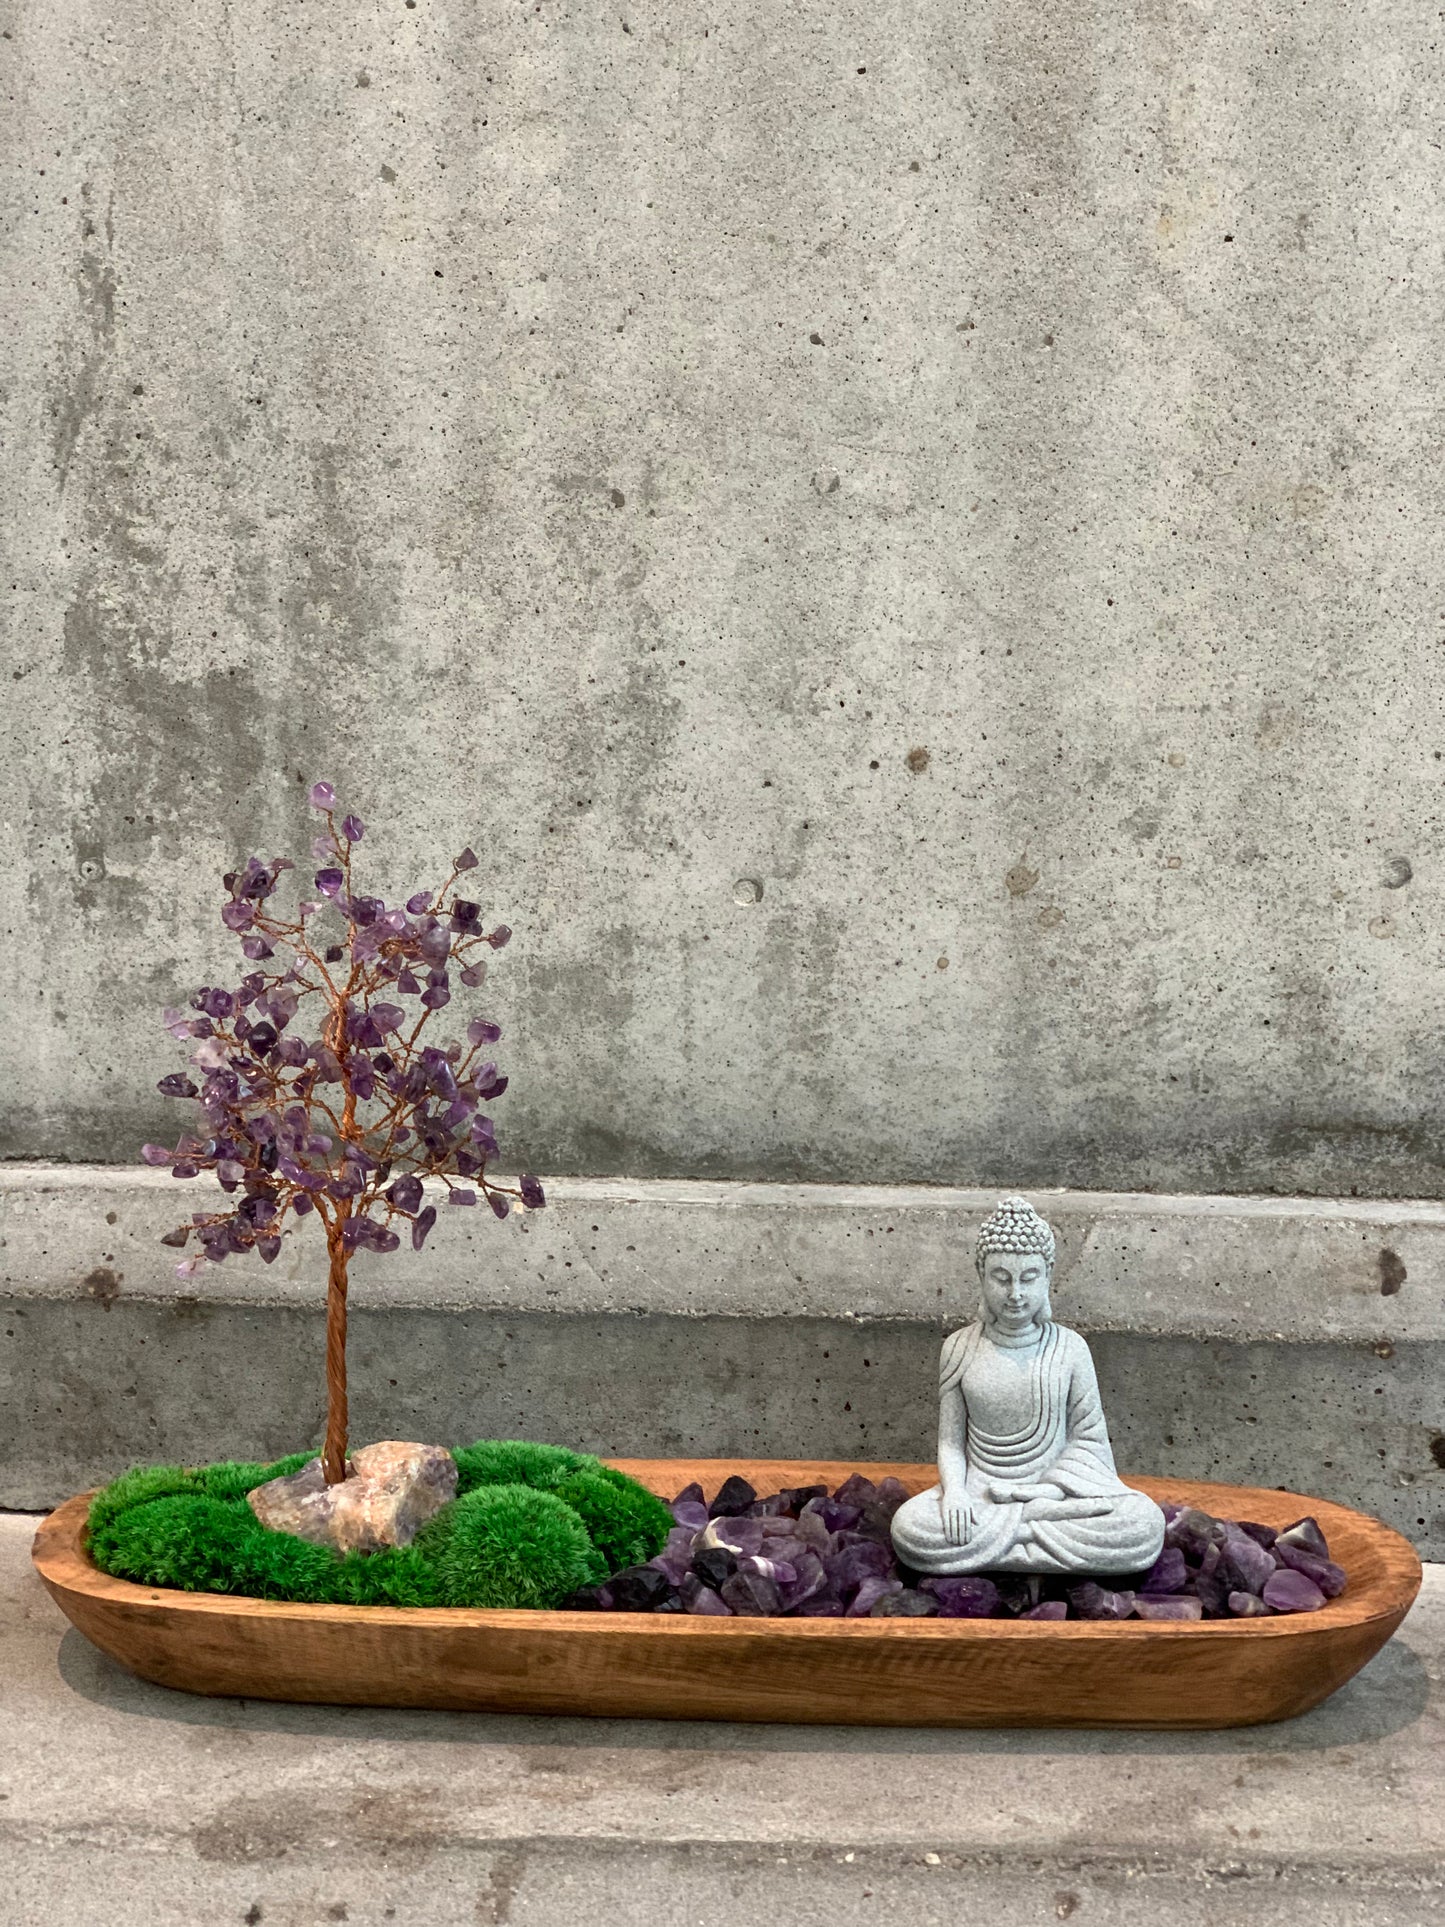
322, 1090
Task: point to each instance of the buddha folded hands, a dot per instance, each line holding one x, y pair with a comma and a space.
1027, 1479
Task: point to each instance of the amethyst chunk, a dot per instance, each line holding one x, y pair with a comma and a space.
1245, 1561
587, 1599
1167, 1574
1262, 1535
856, 1491
849, 1569
752, 1596
1248, 1605
1290, 1592
734, 1497
904, 1605
675, 1559
1329, 1577
702, 1600
795, 1497
809, 1581
1168, 1606
1305, 1534
713, 1566
1193, 1532
965, 1596
640, 1589
868, 1595
741, 1536
1093, 1601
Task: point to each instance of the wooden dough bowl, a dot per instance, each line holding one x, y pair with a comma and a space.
884, 1672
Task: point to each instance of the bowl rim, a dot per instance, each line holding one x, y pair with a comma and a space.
1383, 1567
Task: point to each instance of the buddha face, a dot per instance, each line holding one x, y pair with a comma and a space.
1015, 1288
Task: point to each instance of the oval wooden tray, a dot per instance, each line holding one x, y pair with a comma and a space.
882, 1672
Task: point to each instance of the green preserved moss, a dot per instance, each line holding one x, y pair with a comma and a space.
531, 1524
510, 1545
516, 1462
627, 1523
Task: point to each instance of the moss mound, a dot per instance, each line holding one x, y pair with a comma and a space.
213, 1545
516, 1462
627, 1523
531, 1524
510, 1545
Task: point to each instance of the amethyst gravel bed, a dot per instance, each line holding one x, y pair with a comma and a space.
811, 1554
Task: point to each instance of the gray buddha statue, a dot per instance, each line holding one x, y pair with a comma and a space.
1026, 1474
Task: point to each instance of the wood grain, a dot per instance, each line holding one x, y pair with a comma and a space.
892, 1672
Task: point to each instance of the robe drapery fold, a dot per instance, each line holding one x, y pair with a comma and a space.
1032, 1416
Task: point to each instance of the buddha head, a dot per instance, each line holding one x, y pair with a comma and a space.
1014, 1254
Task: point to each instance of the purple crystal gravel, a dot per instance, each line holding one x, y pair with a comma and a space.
810, 1554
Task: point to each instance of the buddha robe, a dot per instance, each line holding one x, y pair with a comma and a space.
1032, 1417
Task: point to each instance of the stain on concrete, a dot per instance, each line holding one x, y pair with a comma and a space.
1143, 825
917, 760
103, 1285
1392, 1273
504, 1876
1021, 878
77, 397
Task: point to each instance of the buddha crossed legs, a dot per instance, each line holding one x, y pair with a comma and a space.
1026, 1473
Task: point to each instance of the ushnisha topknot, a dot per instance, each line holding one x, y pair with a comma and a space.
1014, 1226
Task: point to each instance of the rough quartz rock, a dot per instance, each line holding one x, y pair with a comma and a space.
390, 1491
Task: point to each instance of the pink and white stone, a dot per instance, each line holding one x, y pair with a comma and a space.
389, 1493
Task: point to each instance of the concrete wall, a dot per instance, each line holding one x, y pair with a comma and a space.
911, 535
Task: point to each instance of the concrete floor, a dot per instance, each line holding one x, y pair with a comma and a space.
125, 1803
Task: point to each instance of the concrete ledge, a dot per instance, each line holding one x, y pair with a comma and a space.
122, 1803
1278, 1341
1296, 1268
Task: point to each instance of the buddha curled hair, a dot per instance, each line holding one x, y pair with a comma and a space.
1015, 1227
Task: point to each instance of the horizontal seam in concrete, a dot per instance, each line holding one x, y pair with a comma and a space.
683, 1193
1413, 1873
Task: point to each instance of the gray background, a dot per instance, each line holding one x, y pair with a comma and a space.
991, 501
